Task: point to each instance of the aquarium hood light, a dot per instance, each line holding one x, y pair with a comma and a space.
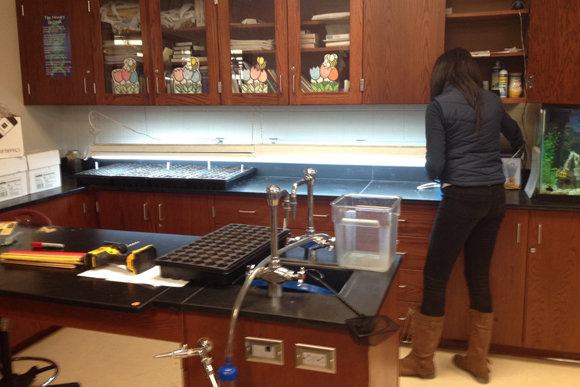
266, 153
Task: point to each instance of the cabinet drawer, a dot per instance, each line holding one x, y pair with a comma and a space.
404, 311
414, 252
410, 285
244, 210
416, 220
322, 216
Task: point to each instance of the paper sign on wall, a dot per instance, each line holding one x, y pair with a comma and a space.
57, 48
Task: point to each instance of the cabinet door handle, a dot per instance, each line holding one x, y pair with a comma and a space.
399, 253
157, 84
294, 84
281, 87
84, 208
401, 220
402, 318
402, 286
148, 86
320, 216
246, 212
145, 211
539, 234
161, 212
518, 238
85, 82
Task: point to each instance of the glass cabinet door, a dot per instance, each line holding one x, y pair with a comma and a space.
325, 49
122, 65
185, 52
253, 51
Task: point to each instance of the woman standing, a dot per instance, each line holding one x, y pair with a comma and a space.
463, 126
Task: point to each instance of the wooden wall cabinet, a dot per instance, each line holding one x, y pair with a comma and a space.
554, 46
402, 40
55, 52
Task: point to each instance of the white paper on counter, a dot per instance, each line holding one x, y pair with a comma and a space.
121, 274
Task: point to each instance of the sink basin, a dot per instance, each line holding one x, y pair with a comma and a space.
335, 277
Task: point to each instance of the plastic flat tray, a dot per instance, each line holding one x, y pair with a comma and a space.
220, 257
102, 176
137, 177
220, 178
176, 177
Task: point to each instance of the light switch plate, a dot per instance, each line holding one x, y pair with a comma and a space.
265, 350
316, 358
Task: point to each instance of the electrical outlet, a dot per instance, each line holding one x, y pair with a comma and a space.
316, 358
265, 350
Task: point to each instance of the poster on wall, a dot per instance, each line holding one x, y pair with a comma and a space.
57, 48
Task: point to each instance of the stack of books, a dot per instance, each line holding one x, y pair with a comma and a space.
183, 51
309, 40
252, 45
337, 40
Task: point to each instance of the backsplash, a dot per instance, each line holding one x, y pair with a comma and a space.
350, 124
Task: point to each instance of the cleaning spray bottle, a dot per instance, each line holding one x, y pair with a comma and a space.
495, 77
503, 81
228, 374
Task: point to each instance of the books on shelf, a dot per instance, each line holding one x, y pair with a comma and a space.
338, 44
332, 16
252, 44
305, 86
309, 45
309, 40
337, 37
184, 44
200, 13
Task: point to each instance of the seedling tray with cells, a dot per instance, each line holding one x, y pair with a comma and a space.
175, 177
102, 176
220, 257
137, 177
220, 178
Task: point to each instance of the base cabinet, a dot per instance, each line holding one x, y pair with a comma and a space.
552, 314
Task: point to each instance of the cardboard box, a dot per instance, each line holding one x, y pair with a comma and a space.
43, 171
11, 143
512, 169
13, 179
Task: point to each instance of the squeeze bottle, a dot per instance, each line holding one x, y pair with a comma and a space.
503, 82
495, 77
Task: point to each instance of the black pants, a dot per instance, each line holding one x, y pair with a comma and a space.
469, 218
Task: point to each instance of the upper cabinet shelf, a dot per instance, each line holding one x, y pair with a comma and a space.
477, 16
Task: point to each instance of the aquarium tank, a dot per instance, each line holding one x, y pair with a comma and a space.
558, 137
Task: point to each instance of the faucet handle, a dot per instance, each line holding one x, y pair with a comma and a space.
301, 274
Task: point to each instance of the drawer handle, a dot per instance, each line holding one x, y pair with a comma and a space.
246, 212
320, 216
402, 286
402, 318
398, 253
401, 220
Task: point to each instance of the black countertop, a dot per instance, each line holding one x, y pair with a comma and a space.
354, 181
364, 290
63, 286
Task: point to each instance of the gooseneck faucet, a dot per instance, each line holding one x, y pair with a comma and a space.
309, 179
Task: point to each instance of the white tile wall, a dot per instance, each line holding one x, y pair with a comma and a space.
375, 124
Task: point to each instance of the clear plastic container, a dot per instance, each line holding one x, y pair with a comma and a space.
366, 231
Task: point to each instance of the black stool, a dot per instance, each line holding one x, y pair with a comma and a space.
10, 379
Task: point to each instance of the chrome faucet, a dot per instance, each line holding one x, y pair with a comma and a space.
205, 346
319, 241
274, 273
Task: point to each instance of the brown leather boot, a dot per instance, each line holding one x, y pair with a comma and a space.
426, 332
480, 330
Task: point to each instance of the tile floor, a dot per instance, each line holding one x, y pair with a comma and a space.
99, 359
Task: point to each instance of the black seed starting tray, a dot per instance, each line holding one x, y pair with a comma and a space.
176, 177
158, 176
220, 257
102, 176
220, 178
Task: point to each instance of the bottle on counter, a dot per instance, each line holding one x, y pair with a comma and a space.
503, 81
515, 86
495, 77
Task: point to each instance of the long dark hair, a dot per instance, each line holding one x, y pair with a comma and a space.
458, 68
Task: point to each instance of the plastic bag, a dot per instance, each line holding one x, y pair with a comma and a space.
121, 16
178, 18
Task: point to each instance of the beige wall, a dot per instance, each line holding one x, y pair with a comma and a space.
42, 125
